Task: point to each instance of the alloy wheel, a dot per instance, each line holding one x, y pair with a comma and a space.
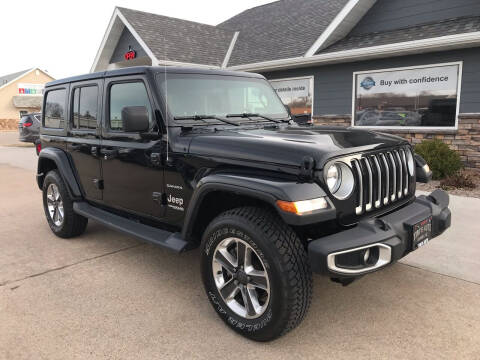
55, 204
241, 278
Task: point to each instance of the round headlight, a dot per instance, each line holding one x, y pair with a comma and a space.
333, 178
410, 162
340, 180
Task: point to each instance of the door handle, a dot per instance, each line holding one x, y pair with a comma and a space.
109, 153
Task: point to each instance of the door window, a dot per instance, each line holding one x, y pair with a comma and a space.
127, 94
55, 109
85, 107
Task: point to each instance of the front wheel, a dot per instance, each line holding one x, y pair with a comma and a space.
256, 273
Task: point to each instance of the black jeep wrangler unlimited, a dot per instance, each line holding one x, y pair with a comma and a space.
186, 158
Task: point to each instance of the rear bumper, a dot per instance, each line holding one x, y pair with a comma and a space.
27, 136
389, 235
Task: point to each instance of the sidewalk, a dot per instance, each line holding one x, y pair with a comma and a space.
10, 137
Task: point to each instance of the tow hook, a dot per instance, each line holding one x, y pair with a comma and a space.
344, 281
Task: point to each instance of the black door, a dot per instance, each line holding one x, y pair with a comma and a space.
132, 173
83, 142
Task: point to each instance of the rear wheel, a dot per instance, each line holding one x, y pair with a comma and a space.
58, 206
256, 273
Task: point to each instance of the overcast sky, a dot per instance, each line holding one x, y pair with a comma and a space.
63, 36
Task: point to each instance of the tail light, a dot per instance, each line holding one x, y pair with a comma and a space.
39, 147
27, 124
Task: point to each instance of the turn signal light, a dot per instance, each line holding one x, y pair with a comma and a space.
302, 207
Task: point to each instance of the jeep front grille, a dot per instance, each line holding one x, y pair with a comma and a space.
381, 179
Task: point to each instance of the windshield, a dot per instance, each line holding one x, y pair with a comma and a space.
219, 95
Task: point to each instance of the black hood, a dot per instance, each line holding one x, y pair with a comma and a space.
288, 146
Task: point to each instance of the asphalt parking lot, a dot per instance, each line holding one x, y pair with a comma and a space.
106, 295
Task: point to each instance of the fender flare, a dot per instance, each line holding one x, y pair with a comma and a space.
264, 189
62, 162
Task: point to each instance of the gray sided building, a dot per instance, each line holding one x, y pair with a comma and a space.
410, 67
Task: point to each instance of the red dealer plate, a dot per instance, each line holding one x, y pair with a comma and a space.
422, 232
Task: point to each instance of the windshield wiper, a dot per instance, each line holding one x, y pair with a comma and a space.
250, 115
205, 117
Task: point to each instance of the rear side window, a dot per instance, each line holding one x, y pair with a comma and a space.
127, 94
55, 109
85, 107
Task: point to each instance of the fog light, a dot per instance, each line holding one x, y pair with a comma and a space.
359, 260
366, 255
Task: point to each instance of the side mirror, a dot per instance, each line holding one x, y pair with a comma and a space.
424, 174
135, 119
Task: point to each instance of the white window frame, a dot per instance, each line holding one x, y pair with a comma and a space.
312, 77
417, 128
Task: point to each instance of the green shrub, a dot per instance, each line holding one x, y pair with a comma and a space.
442, 160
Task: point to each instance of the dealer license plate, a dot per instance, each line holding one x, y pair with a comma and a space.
422, 232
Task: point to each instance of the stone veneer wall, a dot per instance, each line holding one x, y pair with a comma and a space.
333, 120
465, 140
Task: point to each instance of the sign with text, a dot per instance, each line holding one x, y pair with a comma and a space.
296, 93
30, 89
423, 96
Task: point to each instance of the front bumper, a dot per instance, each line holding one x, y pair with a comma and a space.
390, 236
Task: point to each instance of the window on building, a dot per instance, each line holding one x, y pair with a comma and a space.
23, 113
297, 93
127, 94
85, 107
55, 109
414, 97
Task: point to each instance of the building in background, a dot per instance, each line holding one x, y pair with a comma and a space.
410, 67
21, 93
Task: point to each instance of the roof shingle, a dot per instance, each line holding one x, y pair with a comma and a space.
423, 31
5, 79
278, 30
180, 40
281, 29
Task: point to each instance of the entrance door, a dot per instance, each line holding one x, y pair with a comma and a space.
132, 173
84, 140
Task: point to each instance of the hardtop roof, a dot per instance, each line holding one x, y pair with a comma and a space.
153, 70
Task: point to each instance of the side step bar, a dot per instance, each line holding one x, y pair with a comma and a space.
167, 239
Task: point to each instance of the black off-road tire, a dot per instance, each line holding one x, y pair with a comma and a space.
73, 224
286, 263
